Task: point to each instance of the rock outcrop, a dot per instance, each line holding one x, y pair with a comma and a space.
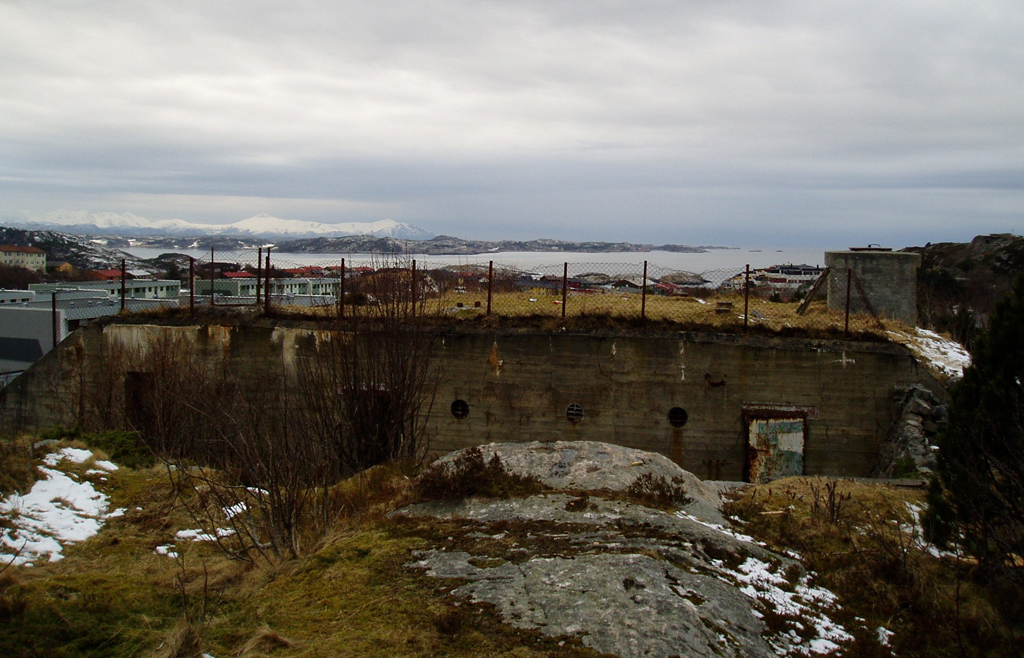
626, 579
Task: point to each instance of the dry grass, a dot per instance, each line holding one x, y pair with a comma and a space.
583, 310
867, 549
113, 596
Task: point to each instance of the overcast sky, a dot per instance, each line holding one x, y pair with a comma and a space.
689, 121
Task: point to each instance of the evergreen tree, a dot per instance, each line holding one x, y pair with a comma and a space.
981, 458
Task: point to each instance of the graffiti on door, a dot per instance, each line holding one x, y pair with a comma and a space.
775, 448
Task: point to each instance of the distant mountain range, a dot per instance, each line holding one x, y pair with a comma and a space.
262, 226
447, 245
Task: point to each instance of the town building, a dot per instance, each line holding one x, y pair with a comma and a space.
31, 258
134, 288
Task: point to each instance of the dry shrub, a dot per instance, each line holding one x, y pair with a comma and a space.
862, 542
17, 467
469, 474
655, 491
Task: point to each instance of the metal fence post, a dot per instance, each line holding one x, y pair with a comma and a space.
53, 309
746, 297
124, 274
192, 286
266, 292
341, 292
643, 298
259, 274
849, 279
490, 285
413, 287
212, 268
565, 285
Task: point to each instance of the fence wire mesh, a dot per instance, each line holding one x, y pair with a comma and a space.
730, 297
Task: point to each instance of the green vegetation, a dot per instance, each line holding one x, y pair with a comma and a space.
977, 501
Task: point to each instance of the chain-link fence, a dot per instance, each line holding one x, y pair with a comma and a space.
776, 298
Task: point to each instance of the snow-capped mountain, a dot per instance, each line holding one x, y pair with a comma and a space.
267, 226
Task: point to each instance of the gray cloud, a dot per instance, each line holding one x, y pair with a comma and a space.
749, 121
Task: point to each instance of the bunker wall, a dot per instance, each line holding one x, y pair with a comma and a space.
518, 386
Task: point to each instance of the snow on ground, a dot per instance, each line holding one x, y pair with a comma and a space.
803, 601
943, 354
57, 511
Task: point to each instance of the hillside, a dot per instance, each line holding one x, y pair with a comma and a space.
572, 549
959, 284
80, 251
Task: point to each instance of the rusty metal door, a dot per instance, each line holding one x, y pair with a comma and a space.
775, 448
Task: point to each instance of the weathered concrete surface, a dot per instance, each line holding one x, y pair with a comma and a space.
517, 386
626, 579
591, 465
883, 282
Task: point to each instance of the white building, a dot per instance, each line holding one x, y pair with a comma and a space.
31, 258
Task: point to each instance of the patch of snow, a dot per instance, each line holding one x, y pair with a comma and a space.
167, 550
720, 528
75, 455
234, 510
915, 530
57, 510
884, 635
106, 465
200, 535
945, 355
809, 603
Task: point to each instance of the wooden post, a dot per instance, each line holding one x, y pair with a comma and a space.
746, 298
341, 292
266, 292
259, 274
565, 285
124, 275
192, 286
643, 298
849, 279
490, 285
211, 276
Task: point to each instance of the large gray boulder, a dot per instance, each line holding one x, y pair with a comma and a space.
592, 466
625, 579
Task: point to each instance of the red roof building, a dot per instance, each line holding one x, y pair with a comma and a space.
32, 258
107, 275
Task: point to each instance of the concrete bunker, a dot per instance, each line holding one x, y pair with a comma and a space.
761, 407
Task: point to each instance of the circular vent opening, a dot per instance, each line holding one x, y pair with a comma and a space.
460, 409
574, 413
677, 416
